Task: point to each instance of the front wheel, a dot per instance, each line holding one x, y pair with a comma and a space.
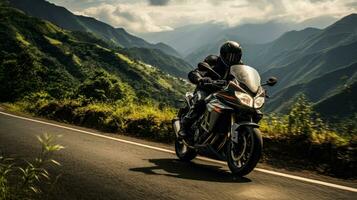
242, 157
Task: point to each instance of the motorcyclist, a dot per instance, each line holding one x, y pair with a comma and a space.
230, 54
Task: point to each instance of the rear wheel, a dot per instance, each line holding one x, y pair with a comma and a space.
242, 157
184, 152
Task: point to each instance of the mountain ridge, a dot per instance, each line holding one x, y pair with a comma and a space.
67, 20
319, 56
113, 36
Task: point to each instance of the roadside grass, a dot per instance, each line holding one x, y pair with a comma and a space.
146, 120
22, 179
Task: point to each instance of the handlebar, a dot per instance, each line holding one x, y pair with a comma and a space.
216, 83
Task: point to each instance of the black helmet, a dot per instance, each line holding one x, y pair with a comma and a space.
231, 53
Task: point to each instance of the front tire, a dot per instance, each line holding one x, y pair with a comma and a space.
242, 157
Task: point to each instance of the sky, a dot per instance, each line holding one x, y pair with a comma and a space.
142, 16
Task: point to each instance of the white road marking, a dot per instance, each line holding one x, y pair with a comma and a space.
351, 189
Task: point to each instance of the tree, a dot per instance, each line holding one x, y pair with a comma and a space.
18, 76
102, 87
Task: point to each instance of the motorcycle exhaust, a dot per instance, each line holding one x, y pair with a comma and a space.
176, 125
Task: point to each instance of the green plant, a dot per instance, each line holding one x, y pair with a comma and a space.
26, 181
303, 122
300, 117
6, 168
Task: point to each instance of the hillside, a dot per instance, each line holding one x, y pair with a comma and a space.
169, 64
261, 55
67, 20
61, 63
114, 36
331, 106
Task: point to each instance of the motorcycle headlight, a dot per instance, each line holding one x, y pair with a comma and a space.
258, 102
244, 98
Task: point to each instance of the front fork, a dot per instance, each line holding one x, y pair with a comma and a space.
234, 127
234, 132
176, 125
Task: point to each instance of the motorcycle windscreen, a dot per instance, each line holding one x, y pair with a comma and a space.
247, 76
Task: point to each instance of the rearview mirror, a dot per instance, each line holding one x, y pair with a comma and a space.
271, 81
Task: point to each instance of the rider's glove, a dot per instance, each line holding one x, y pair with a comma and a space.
204, 80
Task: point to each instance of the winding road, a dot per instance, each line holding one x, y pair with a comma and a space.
97, 165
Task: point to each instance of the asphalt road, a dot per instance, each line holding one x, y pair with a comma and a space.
102, 168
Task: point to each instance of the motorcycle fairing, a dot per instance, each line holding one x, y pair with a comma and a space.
214, 110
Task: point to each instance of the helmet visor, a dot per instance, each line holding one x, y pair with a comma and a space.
232, 58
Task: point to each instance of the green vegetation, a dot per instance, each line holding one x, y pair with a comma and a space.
302, 121
161, 55
49, 59
149, 120
29, 180
304, 136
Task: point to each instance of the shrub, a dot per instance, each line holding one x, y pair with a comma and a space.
300, 118
93, 115
102, 87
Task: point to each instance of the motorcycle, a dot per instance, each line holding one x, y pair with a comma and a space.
229, 126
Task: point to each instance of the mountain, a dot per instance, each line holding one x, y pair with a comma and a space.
270, 53
38, 56
247, 34
319, 63
114, 36
67, 20
189, 40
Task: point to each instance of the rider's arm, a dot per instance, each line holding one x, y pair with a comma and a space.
199, 73
194, 76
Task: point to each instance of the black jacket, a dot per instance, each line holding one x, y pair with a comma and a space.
216, 64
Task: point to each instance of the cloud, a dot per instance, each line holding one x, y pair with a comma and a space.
123, 15
160, 15
158, 2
